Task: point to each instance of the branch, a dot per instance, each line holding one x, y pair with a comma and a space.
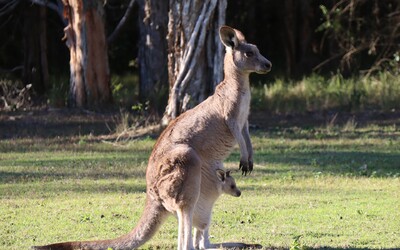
8, 6
2, 70
122, 22
58, 8
327, 61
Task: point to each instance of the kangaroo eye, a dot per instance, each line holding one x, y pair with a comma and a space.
249, 53
232, 186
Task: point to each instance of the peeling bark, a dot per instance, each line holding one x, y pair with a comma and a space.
85, 38
195, 55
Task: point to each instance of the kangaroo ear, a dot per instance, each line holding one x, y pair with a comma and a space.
228, 173
228, 37
221, 175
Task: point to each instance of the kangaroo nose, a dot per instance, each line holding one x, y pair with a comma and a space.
238, 193
268, 65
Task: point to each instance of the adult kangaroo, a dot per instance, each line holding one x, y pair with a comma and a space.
190, 150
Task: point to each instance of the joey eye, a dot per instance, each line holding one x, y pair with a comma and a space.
249, 53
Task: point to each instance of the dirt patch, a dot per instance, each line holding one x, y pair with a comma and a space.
53, 123
322, 119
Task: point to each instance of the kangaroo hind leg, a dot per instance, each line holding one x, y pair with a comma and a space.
179, 189
187, 201
185, 217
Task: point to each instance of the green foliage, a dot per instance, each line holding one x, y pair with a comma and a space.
141, 109
125, 89
330, 21
316, 93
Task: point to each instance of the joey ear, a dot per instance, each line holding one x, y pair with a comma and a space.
221, 175
228, 37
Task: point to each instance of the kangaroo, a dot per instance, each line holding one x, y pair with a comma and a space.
225, 184
191, 148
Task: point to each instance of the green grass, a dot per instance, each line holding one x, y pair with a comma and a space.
311, 183
316, 93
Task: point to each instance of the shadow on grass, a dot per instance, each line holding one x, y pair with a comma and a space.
355, 163
31, 176
349, 248
42, 184
308, 248
368, 164
25, 170
298, 133
68, 144
73, 161
333, 162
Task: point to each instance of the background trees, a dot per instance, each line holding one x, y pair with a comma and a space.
172, 45
364, 34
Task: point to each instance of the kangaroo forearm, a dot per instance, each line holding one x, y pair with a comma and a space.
237, 134
246, 136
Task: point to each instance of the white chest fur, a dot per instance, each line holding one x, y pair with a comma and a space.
244, 108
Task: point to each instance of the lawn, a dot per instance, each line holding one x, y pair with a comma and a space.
331, 187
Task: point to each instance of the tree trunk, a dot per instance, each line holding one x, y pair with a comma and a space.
289, 35
86, 40
195, 54
153, 20
35, 70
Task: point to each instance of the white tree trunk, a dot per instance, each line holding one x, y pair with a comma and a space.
195, 56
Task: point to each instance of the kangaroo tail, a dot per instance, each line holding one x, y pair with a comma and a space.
153, 216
